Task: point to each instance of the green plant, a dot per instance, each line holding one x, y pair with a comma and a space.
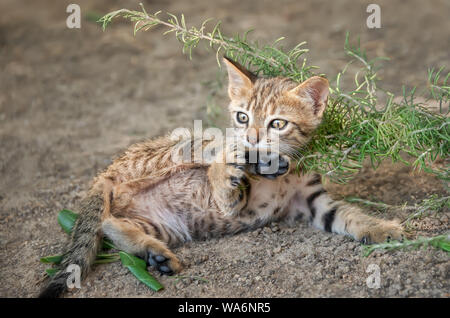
440, 242
426, 207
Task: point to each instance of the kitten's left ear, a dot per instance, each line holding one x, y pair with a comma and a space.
314, 92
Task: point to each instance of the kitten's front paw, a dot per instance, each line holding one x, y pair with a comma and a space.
236, 175
382, 232
272, 166
230, 186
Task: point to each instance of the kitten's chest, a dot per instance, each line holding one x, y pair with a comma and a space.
269, 198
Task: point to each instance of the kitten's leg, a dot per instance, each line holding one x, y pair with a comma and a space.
230, 187
340, 217
133, 238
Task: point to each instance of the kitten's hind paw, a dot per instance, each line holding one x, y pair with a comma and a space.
385, 231
163, 264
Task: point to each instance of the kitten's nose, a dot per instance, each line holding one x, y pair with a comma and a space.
253, 136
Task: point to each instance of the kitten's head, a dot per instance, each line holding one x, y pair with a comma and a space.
268, 109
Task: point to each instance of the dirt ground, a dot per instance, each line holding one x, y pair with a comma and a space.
72, 99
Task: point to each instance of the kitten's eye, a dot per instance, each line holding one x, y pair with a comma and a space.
242, 118
278, 123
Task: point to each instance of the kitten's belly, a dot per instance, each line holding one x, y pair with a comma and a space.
271, 198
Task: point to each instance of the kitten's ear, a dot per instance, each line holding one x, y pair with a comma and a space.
314, 92
240, 80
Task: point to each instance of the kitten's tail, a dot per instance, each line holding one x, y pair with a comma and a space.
85, 242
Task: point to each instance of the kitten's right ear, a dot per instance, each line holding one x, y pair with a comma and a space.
240, 80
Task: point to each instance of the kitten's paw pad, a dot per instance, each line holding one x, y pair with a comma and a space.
384, 232
272, 166
165, 265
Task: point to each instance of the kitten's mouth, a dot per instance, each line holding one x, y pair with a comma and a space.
262, 153
268, 165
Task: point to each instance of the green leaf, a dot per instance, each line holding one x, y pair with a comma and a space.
66, 219
131, 260
107, 244
445, 246
54, 259
51, 271
443, 243
138, 267
106, 260
106, 255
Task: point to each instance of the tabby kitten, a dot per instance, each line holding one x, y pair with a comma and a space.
146, 203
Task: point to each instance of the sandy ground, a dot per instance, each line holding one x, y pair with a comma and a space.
72, 99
